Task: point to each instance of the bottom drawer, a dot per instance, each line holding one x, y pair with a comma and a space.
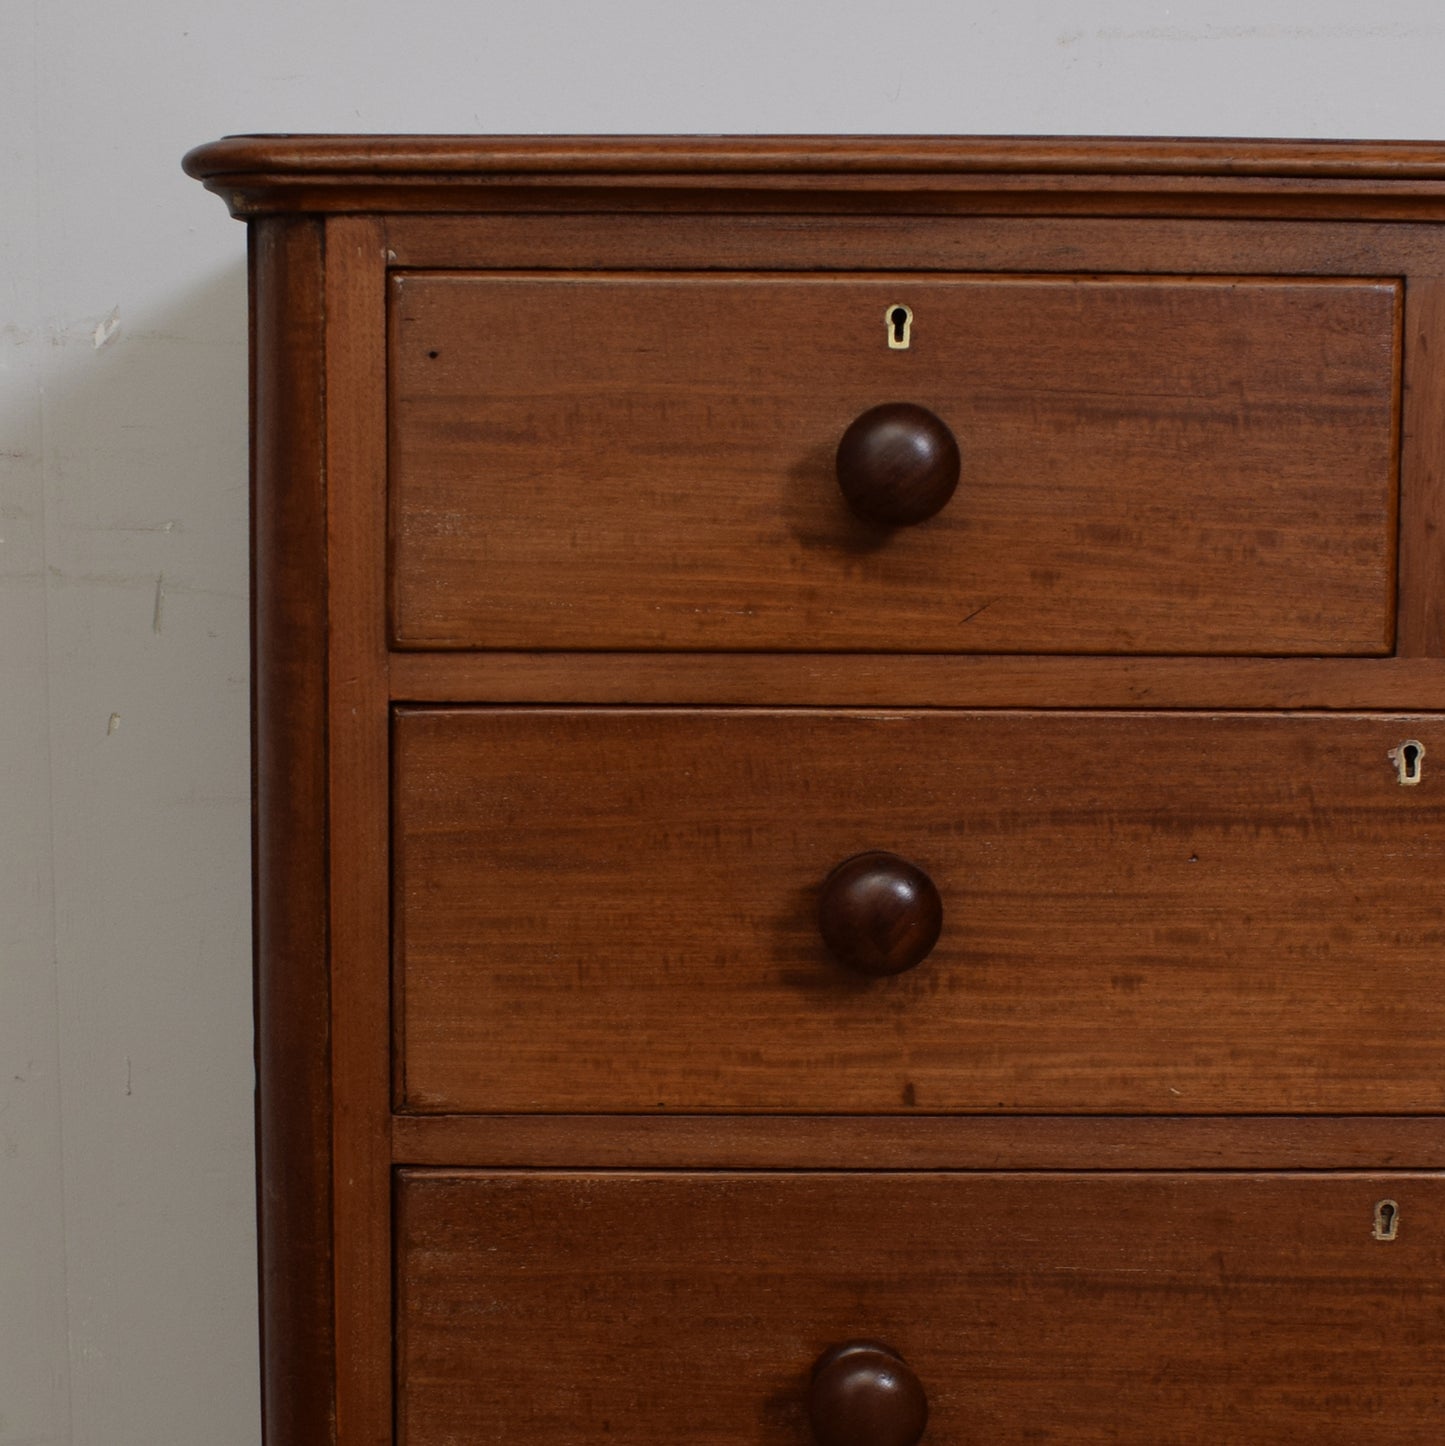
571, 1307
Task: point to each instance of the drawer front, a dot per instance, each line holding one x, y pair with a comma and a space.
1181, 1308
619, 910
1165, 465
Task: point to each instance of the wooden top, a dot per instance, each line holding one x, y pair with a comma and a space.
259, 174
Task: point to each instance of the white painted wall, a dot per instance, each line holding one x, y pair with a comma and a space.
126, 1246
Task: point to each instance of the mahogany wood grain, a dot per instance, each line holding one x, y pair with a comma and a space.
612, 910
1125, 1308
294, 1093
432, 174
358, 735
879, 914
921, 1142
902, 198
1152, 466
863, 1393
778, 158
1422, 518
841, 680
1135, 245
1190, 940
897, 464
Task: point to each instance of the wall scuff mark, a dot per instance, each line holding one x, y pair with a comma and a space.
106, 331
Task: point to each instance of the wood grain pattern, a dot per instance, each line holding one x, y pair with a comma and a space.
292, 959
921, 1142
357, 734
901, 197
879, 915
897, 465
843, 680
1191, 935
604, 910
642, 462
1137, 245
863, 1393
904, 175
1106, 1308
779, 157
1422, 519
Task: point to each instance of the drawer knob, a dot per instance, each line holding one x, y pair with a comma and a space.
897, 464
880, 914
863, 1394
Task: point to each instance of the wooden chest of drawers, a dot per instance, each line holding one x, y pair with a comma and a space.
849, 821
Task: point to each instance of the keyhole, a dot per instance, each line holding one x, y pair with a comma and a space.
1387, 1220
1408, 759
900, 325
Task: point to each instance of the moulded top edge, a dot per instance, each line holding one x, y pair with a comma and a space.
319, 173
389, 157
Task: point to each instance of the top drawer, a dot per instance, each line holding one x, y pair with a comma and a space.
1149, 465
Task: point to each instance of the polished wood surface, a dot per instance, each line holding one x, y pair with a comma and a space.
897, 464
682, 239
294, 1100
614, 857
899, 175
932, 681
1144, 912
1153, 466
1422, 520
1132, 1308
922, 1142
862, 1393
358, 757
879, 914
778, 157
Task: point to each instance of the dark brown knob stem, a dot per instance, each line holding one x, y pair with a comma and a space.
863, 1394
880, 914
897, 464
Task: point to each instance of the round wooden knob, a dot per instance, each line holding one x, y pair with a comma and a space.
863, 1394
897, 464
880, 914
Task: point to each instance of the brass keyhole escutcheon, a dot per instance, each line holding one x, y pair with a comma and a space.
1387, 1220
900, 327
1408, 758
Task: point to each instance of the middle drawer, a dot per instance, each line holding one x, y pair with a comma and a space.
619, 910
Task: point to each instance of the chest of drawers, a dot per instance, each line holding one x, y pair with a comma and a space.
848, 818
